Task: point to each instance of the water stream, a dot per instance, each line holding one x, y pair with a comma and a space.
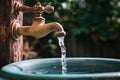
63, 54
55, 70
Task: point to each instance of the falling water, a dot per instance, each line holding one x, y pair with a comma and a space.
63, 54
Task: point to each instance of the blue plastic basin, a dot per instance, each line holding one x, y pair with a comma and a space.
50, 69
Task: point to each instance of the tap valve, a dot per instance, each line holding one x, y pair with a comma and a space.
37, 8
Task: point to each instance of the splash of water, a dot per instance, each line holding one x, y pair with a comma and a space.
63, 54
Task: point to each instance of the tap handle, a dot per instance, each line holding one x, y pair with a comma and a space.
49, 9
37, 8
24, 8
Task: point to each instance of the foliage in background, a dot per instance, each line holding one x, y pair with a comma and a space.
97, 19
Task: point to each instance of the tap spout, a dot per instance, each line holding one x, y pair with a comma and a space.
38, 29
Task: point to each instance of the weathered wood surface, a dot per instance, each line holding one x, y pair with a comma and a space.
10, 50
85, 47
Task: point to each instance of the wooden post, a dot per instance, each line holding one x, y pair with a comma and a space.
10, 50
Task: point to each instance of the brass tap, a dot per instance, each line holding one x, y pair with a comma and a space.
38, 28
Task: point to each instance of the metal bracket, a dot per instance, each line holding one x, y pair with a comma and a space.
14, 25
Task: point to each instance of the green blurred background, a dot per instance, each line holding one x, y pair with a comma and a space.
92, 27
